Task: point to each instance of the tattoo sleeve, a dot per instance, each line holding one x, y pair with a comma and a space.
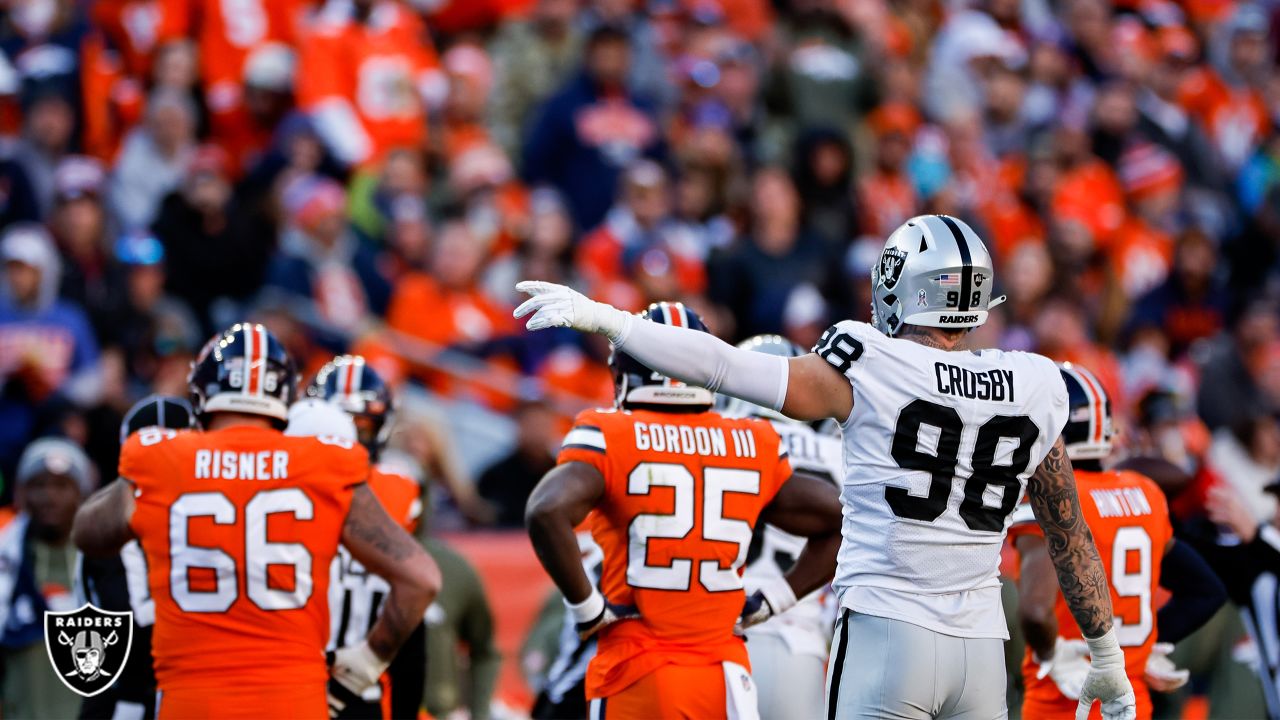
1052, 492
387, 550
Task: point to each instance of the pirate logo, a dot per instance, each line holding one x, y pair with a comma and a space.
88, 647
978, 279
891, 263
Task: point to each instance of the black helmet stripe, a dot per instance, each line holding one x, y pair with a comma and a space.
966, 259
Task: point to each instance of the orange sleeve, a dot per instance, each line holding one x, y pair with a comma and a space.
585, 442
132, 459
782, 467
321, 72
175, 20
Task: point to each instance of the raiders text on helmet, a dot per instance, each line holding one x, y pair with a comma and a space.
1088, 432
934, 271
634, 384
244, 369
348, 382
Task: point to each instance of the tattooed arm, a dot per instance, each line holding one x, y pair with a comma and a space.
388, 551
1052, 492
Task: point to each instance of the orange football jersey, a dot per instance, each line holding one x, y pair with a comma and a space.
1129, 518
682, 495
240, 527
379, 68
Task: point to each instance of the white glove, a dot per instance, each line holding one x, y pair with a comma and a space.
357, 667
1107, 681
555, 305
1068, 667
1161, 674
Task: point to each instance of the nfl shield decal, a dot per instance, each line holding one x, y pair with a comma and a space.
88, 647
891, 262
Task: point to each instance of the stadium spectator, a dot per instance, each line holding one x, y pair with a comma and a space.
1229, 392
80, 224
320, 260
754, 277
48, 353
508, 482
49, 136
37, 573
367, 75
216, 245
584, 136
531, 57
153, 159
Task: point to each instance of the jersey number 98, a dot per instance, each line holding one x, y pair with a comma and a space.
947, 426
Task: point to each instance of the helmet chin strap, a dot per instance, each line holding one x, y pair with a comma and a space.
997, 301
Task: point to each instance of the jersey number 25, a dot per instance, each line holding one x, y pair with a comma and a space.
677, 575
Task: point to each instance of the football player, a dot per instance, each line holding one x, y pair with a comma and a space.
349, 384
239, 525
939, 443
673, 491
1130, 522
119, 583
789, 652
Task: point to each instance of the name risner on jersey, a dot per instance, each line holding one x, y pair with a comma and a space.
937, 453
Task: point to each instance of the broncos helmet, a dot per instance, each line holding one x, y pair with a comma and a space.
934, 271
769, 345
243, 369
634, 384
1088, 433
163, 411
348, 382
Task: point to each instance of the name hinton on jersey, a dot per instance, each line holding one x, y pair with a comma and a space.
703, 441
993, 385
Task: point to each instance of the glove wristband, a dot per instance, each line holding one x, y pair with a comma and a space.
619, 331
588, 609
778, 593
1105, 647
369, 660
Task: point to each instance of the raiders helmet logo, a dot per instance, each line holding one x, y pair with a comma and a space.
891, 262
88, 647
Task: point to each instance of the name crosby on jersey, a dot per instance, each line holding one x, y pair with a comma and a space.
228, 465
702, 441
994, 385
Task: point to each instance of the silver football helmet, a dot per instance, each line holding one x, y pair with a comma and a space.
934, 271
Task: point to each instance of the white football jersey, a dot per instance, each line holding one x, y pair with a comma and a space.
805, 628
937, 453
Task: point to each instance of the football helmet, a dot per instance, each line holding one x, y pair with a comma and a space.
163, 411
348, 382
769, 345
634, 384
1088, 433
934, 271
243, 369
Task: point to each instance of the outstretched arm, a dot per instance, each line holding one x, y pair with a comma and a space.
805, 388
1052, 492
102, 523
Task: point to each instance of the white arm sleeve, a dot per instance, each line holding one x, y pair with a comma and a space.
702, 359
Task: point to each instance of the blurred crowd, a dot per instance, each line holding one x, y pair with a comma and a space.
372, 176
